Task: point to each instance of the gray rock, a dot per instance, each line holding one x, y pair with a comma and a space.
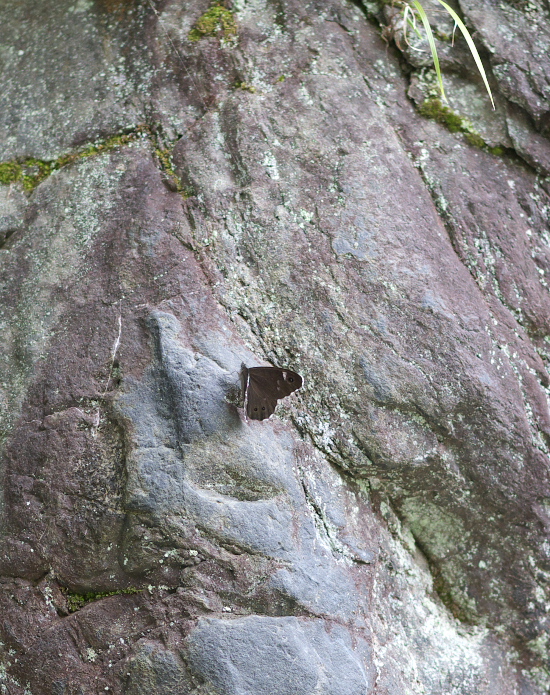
272, 656
66, 78
517, 39
534, 148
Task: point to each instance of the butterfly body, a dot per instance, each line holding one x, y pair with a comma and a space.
264, 386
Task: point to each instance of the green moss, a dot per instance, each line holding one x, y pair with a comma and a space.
165, 160
218, 21
10, 172
433, 108
34, 171
30, 172
77, 601
475, 139
164, 157
111, 143
437, 111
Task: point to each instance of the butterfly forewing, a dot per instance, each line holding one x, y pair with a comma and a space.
264, 386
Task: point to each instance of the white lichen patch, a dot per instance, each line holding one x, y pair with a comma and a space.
47, 593
270, 163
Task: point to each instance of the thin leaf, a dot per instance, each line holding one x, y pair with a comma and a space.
410, 21
429, 35
406, 21
454, 31
470, 43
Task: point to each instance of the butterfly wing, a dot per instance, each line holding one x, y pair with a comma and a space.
264, 386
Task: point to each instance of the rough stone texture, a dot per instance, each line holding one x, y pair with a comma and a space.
387, 532
517, 39
68, 75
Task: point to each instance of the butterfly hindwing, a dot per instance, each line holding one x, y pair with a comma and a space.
259, 406
264, 386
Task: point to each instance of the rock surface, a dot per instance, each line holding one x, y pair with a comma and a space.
272, 196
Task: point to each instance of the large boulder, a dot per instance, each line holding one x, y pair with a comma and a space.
187, 188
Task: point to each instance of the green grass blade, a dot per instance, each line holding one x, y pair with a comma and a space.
429, 35
409, 22
470, 43
454, 32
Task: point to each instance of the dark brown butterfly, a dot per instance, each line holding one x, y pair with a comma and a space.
264, 386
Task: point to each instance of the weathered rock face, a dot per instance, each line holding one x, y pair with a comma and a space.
273, 195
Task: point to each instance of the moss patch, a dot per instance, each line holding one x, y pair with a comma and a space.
10, 172
218, 21
437, 111
77, 601
475, 139
497, 151
30, 172
164, 158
